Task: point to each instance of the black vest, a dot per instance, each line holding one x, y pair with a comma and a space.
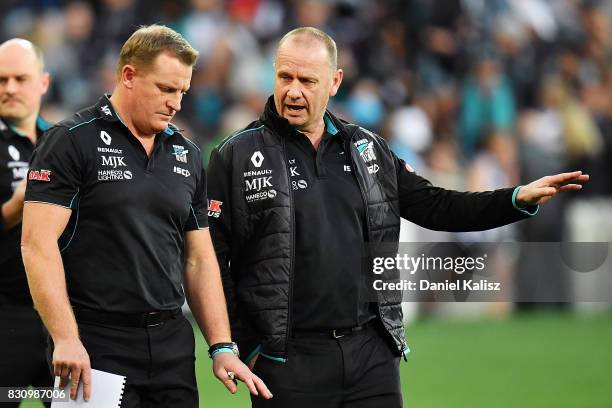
258, 283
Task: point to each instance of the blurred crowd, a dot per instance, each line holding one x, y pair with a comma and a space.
475, 94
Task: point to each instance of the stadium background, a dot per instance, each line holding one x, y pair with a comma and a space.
474, 94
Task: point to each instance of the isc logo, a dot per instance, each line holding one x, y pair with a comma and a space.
182, 172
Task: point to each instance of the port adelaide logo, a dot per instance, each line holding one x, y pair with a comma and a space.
180, 153
366, 151
258, 183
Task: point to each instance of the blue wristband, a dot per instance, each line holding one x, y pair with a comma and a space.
221, 350
523, 209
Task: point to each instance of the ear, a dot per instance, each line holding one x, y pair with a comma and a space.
128, 74
336, 81
45, 80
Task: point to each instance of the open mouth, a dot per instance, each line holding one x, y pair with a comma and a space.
295, 108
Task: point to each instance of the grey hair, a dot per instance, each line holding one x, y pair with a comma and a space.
316, 34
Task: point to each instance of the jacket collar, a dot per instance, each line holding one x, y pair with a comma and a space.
7, 131
105, 109
281, 126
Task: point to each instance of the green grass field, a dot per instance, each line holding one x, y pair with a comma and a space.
540, 361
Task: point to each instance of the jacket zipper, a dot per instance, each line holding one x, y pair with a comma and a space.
363, 196
292, 258
365, 203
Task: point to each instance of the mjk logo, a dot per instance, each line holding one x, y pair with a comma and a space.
257, 159
19, 173
258, 183
113, 161
105, 138
42, 175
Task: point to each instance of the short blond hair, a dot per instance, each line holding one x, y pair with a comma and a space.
316, 34
146, 43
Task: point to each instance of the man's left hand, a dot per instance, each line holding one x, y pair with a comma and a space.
540, 191
225, 363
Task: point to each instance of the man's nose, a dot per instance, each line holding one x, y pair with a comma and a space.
174, 102
11, 86
295, 90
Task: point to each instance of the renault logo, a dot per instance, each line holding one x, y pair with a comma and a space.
105, 138
257, 158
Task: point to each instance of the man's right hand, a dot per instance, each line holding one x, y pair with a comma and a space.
71, 364
226, 363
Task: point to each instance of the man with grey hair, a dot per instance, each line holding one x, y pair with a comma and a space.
300, 202
23, 82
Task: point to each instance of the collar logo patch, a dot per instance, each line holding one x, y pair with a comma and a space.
106, 110
180, 154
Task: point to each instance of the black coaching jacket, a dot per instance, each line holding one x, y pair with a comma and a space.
251, 220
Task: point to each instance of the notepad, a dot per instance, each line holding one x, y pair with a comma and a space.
106, 392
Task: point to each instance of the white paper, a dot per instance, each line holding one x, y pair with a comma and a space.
106, 392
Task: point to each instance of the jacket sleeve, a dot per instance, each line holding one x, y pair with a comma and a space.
447, 210
220, 222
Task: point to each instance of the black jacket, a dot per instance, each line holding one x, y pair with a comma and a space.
252, 228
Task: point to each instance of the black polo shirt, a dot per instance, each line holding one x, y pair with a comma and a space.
329, 286
123, 250
15, 153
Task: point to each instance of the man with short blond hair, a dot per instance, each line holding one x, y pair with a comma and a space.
143, 47
300, 204
23, 82
125, 193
